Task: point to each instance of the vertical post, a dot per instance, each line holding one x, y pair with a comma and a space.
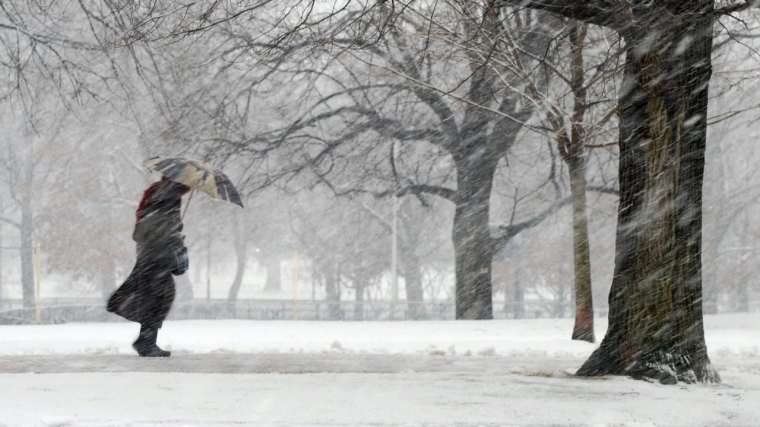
38, 255
295, 285
394, 257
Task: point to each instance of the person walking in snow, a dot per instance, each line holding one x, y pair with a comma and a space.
147, 294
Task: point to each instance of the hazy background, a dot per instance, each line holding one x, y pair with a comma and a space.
76, 131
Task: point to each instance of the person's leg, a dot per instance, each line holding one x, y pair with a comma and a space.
145, 345
157, 295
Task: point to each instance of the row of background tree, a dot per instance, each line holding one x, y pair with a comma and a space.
481, 126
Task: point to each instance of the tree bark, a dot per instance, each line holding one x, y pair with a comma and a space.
584, 306
656, 330
473, 246
572, 149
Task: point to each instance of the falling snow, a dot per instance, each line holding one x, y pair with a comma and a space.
333, 213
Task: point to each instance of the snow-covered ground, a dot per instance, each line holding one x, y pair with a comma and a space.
512, 372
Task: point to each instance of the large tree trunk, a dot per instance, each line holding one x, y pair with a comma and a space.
473, 246
413, 283
584, 305
27, 255
655, 320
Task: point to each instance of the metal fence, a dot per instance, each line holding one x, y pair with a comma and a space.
93, 310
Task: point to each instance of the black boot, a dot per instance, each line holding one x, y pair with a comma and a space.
145, 345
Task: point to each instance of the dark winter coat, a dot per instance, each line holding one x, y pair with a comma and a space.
147, 294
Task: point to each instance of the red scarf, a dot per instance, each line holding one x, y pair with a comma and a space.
146, 196
156, 186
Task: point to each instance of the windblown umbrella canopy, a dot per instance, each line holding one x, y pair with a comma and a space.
196, 174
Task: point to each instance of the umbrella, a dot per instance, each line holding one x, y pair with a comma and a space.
196, 174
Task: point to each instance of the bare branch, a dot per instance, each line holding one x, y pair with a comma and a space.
10, 222
446, 193
615, 14
507, 232
734, 8
603, 190
448, 94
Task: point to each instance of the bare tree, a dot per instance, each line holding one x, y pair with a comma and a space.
30, 159
419, 243
474, 130
572, 132
345, 246
656, 328
474, 96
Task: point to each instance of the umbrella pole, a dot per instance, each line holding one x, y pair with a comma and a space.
187, 205
182, 218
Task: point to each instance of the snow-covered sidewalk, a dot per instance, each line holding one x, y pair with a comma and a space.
727, 336
247, 373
